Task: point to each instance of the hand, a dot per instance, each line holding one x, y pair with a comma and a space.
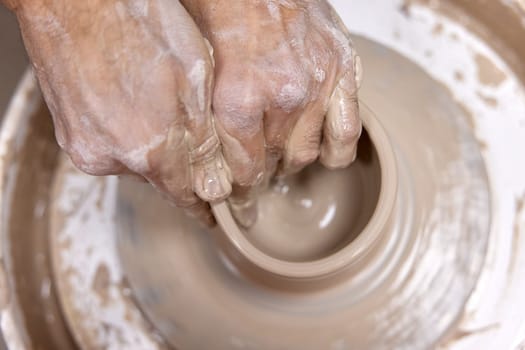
129, 86
286, 88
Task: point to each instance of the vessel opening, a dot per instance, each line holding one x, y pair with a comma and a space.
317, 212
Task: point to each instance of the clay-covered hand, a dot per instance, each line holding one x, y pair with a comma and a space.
129, 86
286, 88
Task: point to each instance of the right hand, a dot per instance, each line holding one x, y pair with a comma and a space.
287, 78
129, 84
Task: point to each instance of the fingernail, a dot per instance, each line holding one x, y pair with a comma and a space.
213, 187
216, 186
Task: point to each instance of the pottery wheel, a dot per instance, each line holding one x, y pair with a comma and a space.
181, 290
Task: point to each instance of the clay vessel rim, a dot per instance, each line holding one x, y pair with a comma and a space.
347, 255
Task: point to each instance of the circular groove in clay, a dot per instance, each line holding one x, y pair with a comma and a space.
345, 256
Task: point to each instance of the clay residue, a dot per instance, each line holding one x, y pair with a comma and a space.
469, 117
4, 287
459, 76
405, 8
483, 145
438, 29
521, 346
397, 34
101, 193
65, 243
506, 38
461, 334
488, 72
520, 210
101, 283
488, 100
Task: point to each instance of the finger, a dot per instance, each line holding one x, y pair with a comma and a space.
243, 204
170, 174
239, 123
273, 160
340, 25
303, 143
201, 211
245, 159
342, 126
211, 179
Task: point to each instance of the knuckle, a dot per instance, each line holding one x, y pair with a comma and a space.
292, 94
200, 71
302, 157
186, 201
344, 45
346, 132
239, 107
204, 151
241, 97
174, 189
92, 160
249, 176
295, 82
92, 164
347, 61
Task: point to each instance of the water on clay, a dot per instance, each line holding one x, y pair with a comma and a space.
127, 270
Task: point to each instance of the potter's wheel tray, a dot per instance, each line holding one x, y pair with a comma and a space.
421, 258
